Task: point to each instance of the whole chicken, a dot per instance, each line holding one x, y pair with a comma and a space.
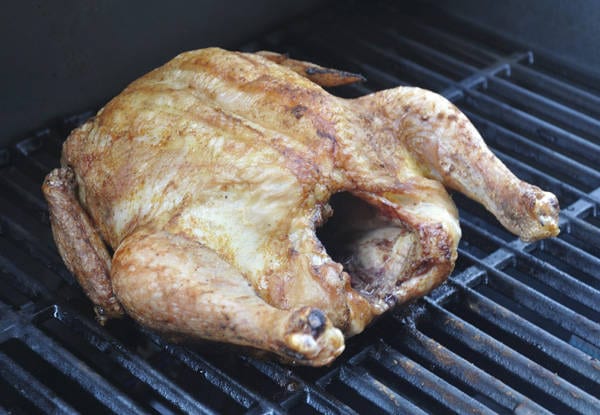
191, 202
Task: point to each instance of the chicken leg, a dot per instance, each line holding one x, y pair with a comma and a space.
448, 148
178, 286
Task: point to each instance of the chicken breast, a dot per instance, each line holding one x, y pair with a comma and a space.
191, 202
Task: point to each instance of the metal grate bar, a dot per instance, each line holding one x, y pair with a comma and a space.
37, 274
542, 106
541, 341
71, 122
314, 394
542, 305
455, 44
559, 286
567, 73
582, 234
44, 138
330, 381
481, 76
14, 182
526, 370
217, 377
550, 161
382, 78
72, 367
14, 224
442, 68
376, 77
545, 272
307, 48
15, 217
131, 362
26, 281
360, 89
294, 387
501, 113
369, 57
321, 403
423, 75
24, 166
40, 162
571, 95
579, 260
465, 29
447, 395
565, 192
367, 386
33, 390
462, 371
460, 69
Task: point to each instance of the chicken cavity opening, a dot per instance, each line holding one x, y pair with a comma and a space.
373, 249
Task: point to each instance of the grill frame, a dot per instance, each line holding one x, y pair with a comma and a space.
453, 351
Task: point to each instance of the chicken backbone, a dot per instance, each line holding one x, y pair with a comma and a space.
192, 202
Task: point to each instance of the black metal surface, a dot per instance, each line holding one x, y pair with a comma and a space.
515, 330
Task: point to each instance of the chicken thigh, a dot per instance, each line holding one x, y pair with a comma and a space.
191, 202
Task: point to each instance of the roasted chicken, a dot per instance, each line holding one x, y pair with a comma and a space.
191, 202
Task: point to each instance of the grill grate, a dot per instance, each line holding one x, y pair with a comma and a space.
515, 330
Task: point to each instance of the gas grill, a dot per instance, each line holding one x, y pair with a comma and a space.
516, 329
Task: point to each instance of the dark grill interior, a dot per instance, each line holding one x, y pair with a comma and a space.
515, 330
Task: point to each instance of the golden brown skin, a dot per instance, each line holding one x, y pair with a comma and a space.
208, 177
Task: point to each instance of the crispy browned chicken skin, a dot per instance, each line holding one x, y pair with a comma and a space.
208, 177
